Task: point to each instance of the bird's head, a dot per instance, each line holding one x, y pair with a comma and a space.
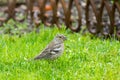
61, 37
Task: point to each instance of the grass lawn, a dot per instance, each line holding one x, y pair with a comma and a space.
83, 59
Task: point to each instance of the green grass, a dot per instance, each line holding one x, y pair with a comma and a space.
83, 59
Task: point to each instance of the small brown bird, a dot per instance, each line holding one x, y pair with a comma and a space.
54, 49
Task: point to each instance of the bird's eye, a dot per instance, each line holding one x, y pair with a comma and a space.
60, 37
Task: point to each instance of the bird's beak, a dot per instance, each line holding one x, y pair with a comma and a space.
65, 38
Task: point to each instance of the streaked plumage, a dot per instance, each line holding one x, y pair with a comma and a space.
54, 49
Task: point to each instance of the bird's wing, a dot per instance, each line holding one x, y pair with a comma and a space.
52, 48
55, 49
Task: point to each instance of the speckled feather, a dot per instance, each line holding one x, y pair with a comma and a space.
54, 49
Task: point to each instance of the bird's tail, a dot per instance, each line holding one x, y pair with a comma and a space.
37, 58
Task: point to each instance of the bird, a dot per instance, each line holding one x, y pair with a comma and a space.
54, 49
